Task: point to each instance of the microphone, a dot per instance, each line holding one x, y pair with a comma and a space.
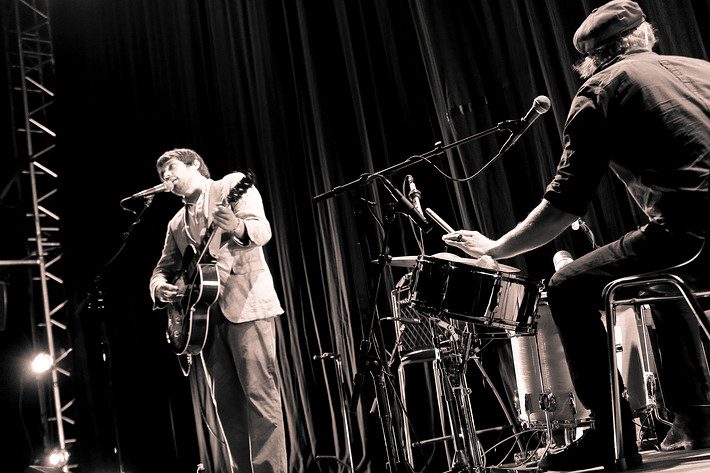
405, 206
166, 186
540, 105
414, 194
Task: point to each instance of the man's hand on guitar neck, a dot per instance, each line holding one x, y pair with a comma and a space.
230, 223
225, 219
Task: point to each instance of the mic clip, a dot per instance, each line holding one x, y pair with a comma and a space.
404, 205
514, 126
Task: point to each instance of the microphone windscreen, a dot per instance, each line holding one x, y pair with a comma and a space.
541, 104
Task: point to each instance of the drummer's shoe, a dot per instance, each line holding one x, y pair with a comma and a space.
596, 447
690, 431
592, 450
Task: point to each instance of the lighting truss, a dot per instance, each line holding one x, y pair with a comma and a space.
31, 61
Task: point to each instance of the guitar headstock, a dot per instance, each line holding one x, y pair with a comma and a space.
241, 187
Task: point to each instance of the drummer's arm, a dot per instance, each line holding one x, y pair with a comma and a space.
542, 225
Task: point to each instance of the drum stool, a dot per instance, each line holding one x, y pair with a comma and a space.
683, 292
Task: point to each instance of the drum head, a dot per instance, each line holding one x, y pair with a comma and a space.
485, 262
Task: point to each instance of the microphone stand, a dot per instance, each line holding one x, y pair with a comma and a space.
94, 301
368, 360
511, 125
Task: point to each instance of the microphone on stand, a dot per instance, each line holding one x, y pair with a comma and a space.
540, 105
414, 194
166, 186
405, 206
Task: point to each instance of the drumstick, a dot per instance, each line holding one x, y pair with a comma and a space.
439, 221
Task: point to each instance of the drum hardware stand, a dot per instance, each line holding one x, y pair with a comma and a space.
467, 456
342, 391
510, 419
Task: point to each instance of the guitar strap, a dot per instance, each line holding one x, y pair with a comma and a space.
196, 218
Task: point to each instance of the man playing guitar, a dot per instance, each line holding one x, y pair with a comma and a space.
218, 235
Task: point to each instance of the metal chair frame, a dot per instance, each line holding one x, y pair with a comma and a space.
685, 293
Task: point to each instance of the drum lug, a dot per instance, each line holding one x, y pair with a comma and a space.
548, 402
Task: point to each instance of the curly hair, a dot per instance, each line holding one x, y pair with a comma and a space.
641, 38
185, 155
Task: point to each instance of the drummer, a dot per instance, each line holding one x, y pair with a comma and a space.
647, 117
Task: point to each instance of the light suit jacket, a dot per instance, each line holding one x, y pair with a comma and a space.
246, 286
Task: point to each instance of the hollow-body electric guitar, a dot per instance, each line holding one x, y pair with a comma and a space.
198, 286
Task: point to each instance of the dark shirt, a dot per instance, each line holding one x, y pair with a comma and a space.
646, 116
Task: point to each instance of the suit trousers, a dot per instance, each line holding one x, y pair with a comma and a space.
574, 297
241, 361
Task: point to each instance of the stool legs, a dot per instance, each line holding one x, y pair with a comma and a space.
610, 303
619, 459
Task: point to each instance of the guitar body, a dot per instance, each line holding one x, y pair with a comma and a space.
188, 318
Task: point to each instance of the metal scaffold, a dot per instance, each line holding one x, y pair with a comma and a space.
30, 59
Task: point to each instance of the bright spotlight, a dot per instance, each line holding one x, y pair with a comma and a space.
42, 363
58, 457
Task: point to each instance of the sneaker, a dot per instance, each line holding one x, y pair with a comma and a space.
672, 441
589, 451
689, 432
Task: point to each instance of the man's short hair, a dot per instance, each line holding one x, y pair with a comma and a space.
185, 155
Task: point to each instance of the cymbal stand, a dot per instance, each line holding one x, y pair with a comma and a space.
467, 455
344, 402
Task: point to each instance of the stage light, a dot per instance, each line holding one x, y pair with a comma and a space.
42, 363
58, 457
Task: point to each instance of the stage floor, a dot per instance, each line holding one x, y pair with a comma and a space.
694, 461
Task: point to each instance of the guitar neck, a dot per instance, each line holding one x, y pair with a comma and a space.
234, 195
211, 232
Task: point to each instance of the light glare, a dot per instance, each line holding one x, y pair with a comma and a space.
58, 457
42, 363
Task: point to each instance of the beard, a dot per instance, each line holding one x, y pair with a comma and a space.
586, 67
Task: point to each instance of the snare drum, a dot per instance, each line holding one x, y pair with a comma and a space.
544, 384
458, 288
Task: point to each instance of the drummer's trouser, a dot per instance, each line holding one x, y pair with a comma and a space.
574, 296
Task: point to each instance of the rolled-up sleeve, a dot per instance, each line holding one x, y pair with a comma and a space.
585, 156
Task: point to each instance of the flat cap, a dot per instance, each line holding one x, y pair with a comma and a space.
607, 22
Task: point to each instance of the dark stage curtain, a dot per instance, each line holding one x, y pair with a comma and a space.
309, 95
